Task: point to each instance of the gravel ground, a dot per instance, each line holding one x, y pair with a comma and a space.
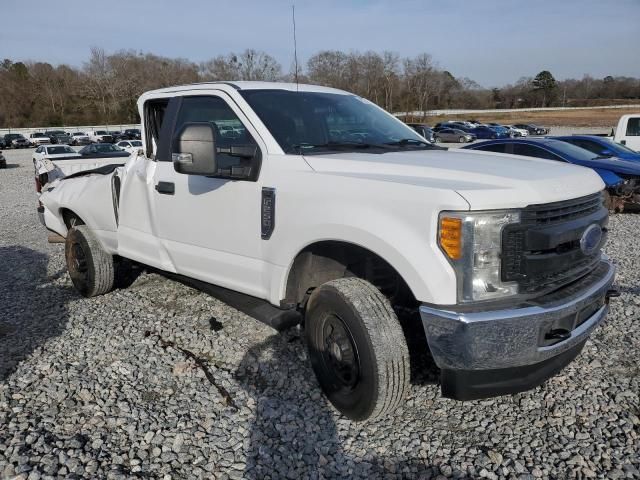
161, 381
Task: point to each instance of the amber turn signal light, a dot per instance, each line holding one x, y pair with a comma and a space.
450, 237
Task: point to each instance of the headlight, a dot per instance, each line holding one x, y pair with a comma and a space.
472, 242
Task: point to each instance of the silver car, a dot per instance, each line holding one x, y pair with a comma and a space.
453, 135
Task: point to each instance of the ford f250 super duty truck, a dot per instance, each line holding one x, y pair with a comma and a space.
309, 205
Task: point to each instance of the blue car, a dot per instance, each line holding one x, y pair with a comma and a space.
621, 177
483, 132
602, 146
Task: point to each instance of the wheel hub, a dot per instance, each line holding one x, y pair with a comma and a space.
339, 352
79, 259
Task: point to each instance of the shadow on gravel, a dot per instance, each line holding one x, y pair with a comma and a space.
294, 433
12, 165
628, 289
32, 309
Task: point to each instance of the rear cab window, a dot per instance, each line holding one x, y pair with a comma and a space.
633, 127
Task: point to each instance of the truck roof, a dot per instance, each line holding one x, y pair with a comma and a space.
241, 85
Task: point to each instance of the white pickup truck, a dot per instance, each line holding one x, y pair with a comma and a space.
322, 209
628, 131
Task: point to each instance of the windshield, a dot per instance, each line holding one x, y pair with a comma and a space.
106, 147
618, 147
101, 132
572, 151
60, 150
312, 121
136, 143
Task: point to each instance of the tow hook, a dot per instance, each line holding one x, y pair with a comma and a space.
613, 292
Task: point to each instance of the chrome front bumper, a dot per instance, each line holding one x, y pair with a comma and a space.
502, 339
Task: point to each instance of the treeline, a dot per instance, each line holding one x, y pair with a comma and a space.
105, 89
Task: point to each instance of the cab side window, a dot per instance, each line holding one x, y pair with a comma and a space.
534, 151
587, 145
498, 148
228, 128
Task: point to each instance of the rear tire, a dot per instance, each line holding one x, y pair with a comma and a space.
92, 270
357, 348
461, 139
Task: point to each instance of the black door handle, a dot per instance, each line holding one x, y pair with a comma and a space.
166, 188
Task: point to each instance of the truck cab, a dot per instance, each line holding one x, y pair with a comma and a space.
308, 205
628, 131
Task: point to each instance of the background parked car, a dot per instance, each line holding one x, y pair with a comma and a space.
54, 152
602, 146
116, 135
80, 138
97, 150
453, 135
130, 146
132, 134
484, 131
517, 132
3, 161
99, 136
39, 138
501, 131
621, 177
424, 130
16, 140
532, 129
58, 137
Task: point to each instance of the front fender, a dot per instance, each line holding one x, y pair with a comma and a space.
397, 222
609, 178
90, 198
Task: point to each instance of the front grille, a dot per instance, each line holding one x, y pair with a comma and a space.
562, 211
543, 250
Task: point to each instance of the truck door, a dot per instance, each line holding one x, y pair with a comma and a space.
210, 226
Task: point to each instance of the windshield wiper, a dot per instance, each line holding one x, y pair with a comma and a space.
339, 146
417, 142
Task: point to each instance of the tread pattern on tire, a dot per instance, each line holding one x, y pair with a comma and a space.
387, 338
100, 262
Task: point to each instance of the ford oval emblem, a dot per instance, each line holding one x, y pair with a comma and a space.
590, 239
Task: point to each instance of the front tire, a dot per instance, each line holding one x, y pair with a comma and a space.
91, 268
461, 139
357, 348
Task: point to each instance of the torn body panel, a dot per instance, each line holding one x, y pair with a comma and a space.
89, 198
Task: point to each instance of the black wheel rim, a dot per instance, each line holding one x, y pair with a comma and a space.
78, 262
339, 353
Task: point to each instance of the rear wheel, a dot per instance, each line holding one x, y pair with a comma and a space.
462, 139
91, 268
357, 348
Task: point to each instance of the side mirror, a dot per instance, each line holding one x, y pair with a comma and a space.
194, 150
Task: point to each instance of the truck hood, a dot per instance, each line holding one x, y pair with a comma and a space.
485, 180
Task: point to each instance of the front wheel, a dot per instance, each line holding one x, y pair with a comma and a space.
462, 139
91, 268
357, 348
438, 140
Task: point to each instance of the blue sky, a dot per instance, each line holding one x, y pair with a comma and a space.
491, 41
